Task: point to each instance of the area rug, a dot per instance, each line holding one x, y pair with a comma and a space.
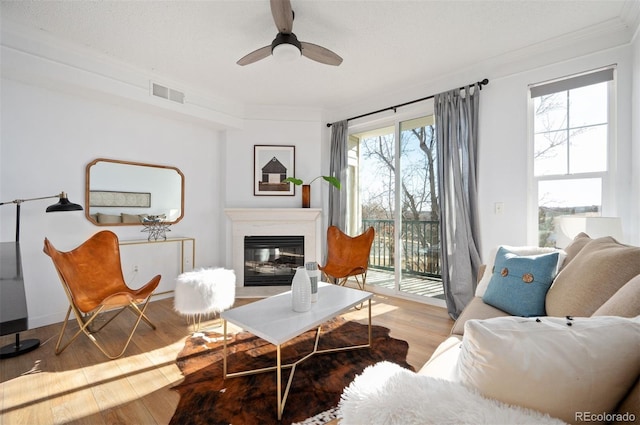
206, 398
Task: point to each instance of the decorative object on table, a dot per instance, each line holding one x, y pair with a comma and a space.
314, 276
204, 291
15, 293
271, 166
306, 188
205, 397
156, 227
91, 276
301, 291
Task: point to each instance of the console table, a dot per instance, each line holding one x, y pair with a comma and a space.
13, 301
186, 247
180, 240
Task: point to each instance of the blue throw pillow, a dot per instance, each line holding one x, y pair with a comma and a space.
519, 284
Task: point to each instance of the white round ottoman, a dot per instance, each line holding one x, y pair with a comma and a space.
204, 291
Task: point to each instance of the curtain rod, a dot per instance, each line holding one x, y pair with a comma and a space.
481, 83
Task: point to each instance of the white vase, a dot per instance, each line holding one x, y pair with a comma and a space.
301, 291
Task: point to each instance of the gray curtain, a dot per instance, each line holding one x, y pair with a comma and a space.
456, 115
338, 169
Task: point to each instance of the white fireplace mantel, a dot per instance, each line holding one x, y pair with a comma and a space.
305, 222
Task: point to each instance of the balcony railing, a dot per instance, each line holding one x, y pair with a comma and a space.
420, 246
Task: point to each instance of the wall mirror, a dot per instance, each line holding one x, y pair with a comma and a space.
121, 193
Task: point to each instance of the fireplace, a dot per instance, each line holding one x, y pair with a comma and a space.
272, 260
305, 222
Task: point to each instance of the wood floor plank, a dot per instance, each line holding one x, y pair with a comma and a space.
82, 386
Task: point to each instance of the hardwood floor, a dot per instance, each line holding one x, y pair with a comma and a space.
80, 386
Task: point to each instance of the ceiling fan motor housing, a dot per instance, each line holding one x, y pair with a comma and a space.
282, 38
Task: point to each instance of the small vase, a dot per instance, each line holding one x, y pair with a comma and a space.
301, 291
306, 195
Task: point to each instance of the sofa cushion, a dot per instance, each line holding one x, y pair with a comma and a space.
547, 365
592, 277
476, 309
443, 361
132, 218
519, 284
518, 250
576, 246
109, 218
625, 302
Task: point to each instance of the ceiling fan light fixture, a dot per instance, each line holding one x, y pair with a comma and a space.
286, 48
286, 52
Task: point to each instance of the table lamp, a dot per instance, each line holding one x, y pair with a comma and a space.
567, 227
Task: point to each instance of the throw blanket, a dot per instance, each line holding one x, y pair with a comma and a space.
386, 393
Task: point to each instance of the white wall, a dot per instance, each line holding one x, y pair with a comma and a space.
503, 160
274, 127
305, 135
48, 137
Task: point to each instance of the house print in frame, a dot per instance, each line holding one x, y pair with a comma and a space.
273, 164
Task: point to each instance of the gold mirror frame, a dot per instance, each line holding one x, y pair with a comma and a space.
130, 199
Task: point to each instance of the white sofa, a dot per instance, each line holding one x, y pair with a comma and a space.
578, 363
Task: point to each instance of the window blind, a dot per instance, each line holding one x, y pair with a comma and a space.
570, 83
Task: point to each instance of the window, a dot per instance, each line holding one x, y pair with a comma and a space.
571, 145
392, 186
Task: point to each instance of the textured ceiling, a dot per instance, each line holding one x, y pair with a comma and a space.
385, 44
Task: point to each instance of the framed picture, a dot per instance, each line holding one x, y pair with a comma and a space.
109, 198
271, 165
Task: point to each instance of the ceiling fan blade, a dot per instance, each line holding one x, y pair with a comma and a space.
282, 15
255, 56
320, 54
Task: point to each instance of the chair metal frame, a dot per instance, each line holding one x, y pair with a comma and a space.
120, 297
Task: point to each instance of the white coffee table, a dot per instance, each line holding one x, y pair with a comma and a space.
273, 320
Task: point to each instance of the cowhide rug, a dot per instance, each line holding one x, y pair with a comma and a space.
205, 398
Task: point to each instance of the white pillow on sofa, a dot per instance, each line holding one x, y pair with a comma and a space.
518, 250
547, 365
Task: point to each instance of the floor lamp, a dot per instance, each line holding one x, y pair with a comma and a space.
13, 291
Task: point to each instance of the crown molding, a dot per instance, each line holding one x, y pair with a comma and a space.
40, 59
596, 38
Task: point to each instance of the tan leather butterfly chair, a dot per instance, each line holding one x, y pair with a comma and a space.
91, 275
347, 256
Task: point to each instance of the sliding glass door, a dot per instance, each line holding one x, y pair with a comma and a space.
393, 187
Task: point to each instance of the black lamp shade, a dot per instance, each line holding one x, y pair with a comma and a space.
64, 205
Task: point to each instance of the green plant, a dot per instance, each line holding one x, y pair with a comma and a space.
332, 180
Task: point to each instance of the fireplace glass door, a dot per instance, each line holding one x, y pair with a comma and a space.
272, 260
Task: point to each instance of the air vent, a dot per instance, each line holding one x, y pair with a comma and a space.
167, 93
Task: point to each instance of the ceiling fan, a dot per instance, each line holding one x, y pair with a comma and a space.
286, 44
